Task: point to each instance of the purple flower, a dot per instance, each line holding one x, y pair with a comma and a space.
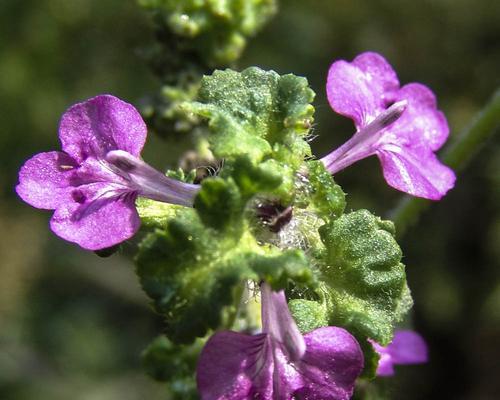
93, 183
407, 347
279, 363
402, 126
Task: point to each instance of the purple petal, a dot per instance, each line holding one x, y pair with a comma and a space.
408, 347
406, 151
362, 89
331, 364
416, 171
385, 365
101, 124
235, 366
97, 218
44, 180
422, 124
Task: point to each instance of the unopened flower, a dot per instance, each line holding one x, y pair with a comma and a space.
401, 125
407, 347
279, 363
93, 183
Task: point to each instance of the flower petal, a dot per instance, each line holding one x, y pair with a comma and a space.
97, 217
385, 364
44, 180
408, 347
422, 124
101, 124
415, 171
235, 366
330, 366
362, 89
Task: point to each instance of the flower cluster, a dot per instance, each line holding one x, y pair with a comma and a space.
260, 121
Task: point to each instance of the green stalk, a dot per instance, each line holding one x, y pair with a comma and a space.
484, 125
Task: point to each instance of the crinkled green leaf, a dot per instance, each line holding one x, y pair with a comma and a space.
308, 314
177, 271
327, 198
257, 113
193, 272
253, 179
231, 139
364, 278
219, 204
405, 303
277, 269
193, 268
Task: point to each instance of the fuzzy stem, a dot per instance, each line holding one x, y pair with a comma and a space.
484, 126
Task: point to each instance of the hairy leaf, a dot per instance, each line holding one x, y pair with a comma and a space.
194, 268
257, 113
308, 314
364, 278
327, 198
219, 204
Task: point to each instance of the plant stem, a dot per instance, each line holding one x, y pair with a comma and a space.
484, 125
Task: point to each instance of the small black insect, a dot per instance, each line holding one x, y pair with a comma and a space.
275, 216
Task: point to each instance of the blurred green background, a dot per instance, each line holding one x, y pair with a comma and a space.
72, 325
